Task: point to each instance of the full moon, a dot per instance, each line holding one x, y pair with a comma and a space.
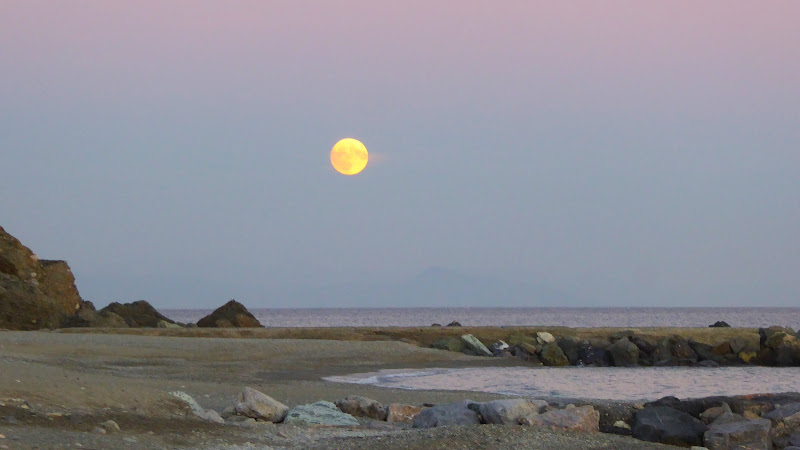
349, 156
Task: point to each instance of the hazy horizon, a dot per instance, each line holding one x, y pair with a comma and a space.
600, 154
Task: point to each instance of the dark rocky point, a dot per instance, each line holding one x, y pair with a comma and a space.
230, 315
34, 293
720, 324
137, 314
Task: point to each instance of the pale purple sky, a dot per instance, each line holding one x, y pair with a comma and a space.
625, 152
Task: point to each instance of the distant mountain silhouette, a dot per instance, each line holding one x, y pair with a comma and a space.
433, 287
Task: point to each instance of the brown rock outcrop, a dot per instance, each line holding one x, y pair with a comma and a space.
34, 293
230, 315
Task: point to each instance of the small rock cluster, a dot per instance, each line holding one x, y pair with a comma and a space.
253, 406
749, 422
776, 346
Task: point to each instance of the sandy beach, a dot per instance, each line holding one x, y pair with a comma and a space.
57, 387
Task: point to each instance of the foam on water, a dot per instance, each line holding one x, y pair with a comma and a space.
607, 383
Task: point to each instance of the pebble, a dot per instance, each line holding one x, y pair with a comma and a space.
99, 430
132, 440
2, 436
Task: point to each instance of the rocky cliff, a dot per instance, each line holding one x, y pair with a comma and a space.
34, 293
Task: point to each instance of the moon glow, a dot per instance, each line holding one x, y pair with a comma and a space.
349, 156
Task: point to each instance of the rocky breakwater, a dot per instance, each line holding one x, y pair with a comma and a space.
34, 293
773, 346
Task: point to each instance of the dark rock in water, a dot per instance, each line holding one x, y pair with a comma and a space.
668, 426
230, 315
720, 324
593, 356
34, 293
624, 353
552, 355
446, 415
436, 324
137, 314
454, 324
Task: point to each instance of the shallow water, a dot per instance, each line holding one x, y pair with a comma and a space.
609, 383
570, 317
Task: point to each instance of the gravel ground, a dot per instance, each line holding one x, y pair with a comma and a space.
56, 388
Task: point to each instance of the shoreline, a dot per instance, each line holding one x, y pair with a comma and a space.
69, 381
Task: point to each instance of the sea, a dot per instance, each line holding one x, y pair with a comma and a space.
569, 317
608, 383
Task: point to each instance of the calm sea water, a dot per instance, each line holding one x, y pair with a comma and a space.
571, 317
609, 383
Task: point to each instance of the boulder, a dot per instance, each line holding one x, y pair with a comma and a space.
741, 343
788, 353
711, 414
570, 345
785, 422
582, 418
230, 315
507, 411
454, 324
257, 405
34, 293
359, 406
594, 356
624, 353
526, 352
498, 347
668, 426
552, 355
720, 324
681, 349
612, 413
449, 343
446, 415
543, 337
774, 336
321, 414
785, 416
137, 314
472, 343
86, 317
738, 435
402, 413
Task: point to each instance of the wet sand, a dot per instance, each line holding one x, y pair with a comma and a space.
83, 379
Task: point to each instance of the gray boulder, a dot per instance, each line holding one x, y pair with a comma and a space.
668, 426
594, 356
785, 422
257, 405
446, 415
359, 406
319, 413
472, 343
744, 434
499, 348
582, 418
624, 353
508, 411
